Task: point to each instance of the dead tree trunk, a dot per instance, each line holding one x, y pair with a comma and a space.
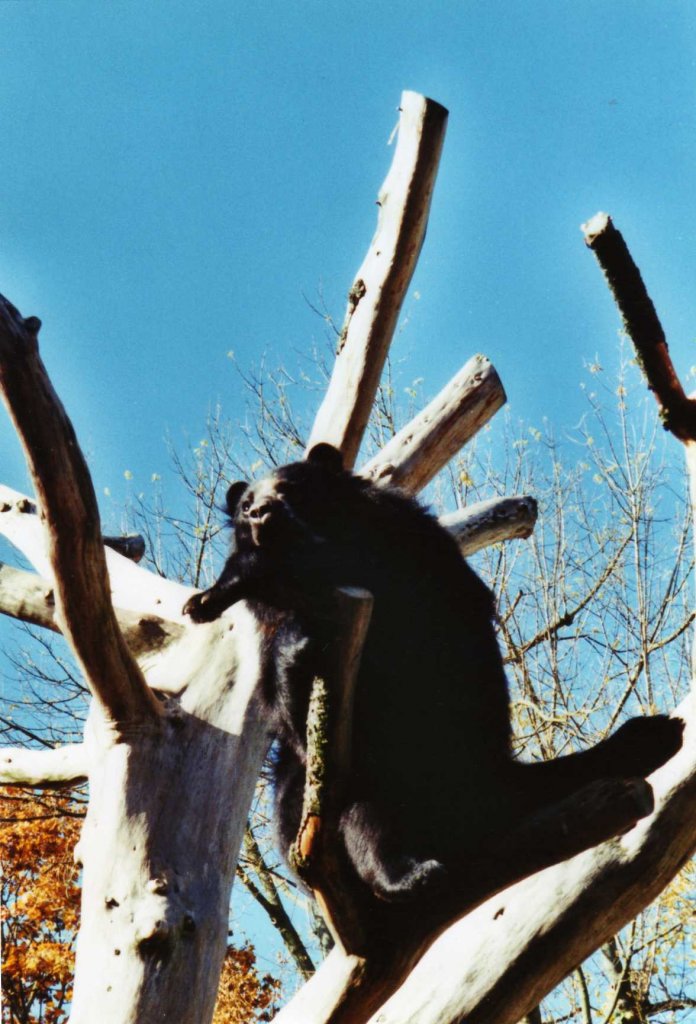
173, 744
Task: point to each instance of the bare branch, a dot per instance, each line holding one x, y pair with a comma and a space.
489, 522
133, 588
570, 614
28, 597
23, 767
381, 283
71, 518
642, 325
271, 902
428, 442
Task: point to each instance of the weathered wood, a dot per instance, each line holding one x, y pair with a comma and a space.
27, 597
166, 816
22, 767
161, 838
381, 283
69, 508
426, 444
483, 523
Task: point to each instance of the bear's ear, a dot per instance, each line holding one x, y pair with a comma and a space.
327, 456
234, 493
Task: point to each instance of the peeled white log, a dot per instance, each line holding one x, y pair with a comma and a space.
489, 522
28, 597
381, 283
426, 444
22, 767
133, 588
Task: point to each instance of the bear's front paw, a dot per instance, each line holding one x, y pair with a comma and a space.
202, 607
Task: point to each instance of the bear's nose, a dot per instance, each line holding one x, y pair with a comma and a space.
262, 511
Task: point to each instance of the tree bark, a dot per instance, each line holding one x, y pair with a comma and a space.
642, 324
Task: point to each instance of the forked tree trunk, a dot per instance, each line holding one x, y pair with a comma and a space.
173, 744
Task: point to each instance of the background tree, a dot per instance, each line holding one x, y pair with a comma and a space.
40, 904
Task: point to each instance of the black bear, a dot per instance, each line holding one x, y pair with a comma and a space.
433, 775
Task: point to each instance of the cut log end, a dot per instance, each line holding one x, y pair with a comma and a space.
596, 226
131, 546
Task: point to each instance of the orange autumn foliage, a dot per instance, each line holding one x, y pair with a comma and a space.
40, 918
245, 996
40, 904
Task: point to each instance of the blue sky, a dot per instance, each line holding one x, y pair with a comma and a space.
176, 176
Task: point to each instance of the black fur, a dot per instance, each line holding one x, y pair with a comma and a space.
433, 774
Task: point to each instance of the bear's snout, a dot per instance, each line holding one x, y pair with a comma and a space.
266, 519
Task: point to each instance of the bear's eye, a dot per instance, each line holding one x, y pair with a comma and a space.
246, 505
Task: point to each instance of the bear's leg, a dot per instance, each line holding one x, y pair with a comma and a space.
210, 604
380, 861
635, 750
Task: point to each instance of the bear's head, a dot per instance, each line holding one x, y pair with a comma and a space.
294, 504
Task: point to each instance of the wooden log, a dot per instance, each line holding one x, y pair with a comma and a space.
641, 323
27, 597
426, 444
133, 588
489, 522
381, 283
61, 765
160, 841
